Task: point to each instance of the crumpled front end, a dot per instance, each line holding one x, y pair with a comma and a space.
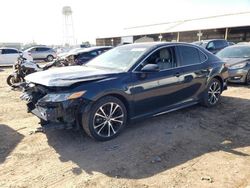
54, 108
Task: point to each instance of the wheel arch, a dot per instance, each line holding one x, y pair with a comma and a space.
218, 77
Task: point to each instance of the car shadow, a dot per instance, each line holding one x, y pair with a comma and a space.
9, 139
157, 144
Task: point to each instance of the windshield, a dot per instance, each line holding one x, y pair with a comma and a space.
120, 58
235, 52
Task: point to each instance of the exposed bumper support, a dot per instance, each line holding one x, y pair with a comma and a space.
59, 115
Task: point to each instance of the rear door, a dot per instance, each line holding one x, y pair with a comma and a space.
192, 72
42, 52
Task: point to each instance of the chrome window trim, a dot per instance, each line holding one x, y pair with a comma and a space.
172, 45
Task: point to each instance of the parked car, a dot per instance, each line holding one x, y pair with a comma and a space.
237, 58
42, 53
126, 83
213, 45
8, 56
65, 53
81, 56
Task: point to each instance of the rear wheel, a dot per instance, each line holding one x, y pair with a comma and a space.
248, 78
212, 94
106, 119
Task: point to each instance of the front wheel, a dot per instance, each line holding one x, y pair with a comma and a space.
106, 119
50, 58
12, 80
212, 94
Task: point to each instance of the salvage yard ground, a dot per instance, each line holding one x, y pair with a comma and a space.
194, 147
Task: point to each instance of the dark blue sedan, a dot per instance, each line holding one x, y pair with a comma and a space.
126, 83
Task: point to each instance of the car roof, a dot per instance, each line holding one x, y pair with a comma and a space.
41, 46
91, 49
8, 48
158, 44
209, 40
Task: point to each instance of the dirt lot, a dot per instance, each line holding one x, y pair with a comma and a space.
194, 147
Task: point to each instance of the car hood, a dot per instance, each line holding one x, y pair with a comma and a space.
233, 61
66, 76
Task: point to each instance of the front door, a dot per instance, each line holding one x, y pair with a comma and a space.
153, 92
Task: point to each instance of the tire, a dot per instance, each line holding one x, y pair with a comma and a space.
49, 58
248, 78
212, 94
106, 119
11, 81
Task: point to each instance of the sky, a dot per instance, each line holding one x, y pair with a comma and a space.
41, 21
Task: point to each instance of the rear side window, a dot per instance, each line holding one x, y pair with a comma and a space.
42, 49
9, 51
190, 55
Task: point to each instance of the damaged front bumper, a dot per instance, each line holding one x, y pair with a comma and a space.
55, 112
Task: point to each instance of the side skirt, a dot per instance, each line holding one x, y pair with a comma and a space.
165, 111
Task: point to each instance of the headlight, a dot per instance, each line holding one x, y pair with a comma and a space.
54, 97
238, 66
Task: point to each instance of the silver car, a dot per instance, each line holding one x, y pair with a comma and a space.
42, 53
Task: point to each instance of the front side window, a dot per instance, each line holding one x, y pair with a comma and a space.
165, 58
32, 50
190, 55
211, 45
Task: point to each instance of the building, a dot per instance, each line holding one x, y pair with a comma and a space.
11, 45
232, 27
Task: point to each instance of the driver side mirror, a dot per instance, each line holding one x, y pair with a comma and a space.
150, 68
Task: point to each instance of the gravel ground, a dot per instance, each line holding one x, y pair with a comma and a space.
193, 147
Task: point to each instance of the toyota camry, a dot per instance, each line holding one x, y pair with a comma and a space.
127, 83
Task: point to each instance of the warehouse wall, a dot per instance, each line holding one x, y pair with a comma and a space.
238, 34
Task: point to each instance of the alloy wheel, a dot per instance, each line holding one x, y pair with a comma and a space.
108, 119
50, 58
214, 93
